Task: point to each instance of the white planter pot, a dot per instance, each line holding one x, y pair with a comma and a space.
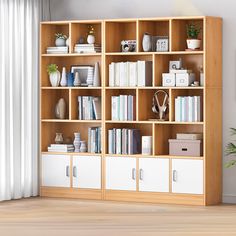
54, 79
193, 44
91, 39
60, 42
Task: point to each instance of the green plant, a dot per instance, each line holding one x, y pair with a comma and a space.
91, 30
52, 68
60, 36
193, 31
231, 150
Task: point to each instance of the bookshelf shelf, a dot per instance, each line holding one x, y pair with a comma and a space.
109, 33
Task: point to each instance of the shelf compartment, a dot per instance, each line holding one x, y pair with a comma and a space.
165, 132
66, 62
48, 32
190, 61
49, 101
74, 100
49, 130
116, 31
154, 28
179, 34
145, 103
80, 29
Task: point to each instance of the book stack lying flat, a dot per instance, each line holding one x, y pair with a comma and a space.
89, 108
57, 50
124, 141
130, 74
87, 48
122, 107
94, 140
61, 148
188, 109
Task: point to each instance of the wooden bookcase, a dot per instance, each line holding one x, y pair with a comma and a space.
110, 33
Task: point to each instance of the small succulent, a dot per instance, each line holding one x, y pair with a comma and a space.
52, 68
60, 36
231, 150
193, 31
91, 30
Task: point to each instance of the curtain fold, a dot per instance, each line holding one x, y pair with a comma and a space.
19, 83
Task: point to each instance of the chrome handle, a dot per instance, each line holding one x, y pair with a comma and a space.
141, 174
74, 172
133, 173
174, 176
67, 171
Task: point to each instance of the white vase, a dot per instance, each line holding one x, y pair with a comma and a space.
60, 109
147, 42
96, 77
91, 39
77, 80
63, 77
55, 79
83, 146
60, 42
77, 142
193, 44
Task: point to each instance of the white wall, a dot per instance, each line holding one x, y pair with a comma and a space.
101, 9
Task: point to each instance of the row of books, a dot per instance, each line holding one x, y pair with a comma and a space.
124, 141
87, 48
57, 50
61, 148
188, 109
89, 108
130, 74
122, 107
94, 140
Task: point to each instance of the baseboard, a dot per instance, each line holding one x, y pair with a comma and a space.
229, 198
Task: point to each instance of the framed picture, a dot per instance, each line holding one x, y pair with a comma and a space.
85, 74
162, 44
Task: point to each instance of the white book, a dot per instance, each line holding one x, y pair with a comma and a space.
112, 74
97, 107
114, 108
126, 83
125, 107
141, 79
117, 74
183, 118
93, 140
177, 109
130, 107
110, 143
118, 141
132, 74
144, 73
121, 107
187, 136
62, 145
190, 110
197, 108
186, 109
122, 74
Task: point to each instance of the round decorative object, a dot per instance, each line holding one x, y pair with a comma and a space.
83, 146
59, 138
77, 142
63, 77
60, 42
91, 39
77, 81
147, 42
90, 76
96, 78
193, 44
60, 109
55, 79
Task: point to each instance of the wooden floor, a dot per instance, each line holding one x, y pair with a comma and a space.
58, 217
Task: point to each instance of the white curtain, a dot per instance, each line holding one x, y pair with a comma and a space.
19, 60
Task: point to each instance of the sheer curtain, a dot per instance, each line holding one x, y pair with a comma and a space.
19, 60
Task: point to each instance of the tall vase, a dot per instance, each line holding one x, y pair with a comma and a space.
63, 77
77, 80
77, 142
59, 138
60, 109
96, 77
147, 42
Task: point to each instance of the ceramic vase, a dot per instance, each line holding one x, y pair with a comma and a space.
77, 142
60, 109
91, 39
83, 146
193, 44
63, 82
90, 76
77, 81
96, 77
55, 79
60, 42
70, 81
68, 42
59, 138
147, 42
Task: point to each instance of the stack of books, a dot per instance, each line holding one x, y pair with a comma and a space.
87, 48
94, 140
188, 109
130, 74
89, 108
57, 50
61, 148
122, 107
124, 141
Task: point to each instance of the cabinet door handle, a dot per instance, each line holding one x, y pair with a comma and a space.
67, 171
74, 171
174, 175
133, 173
141, 174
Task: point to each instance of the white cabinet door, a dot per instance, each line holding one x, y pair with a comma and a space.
154, 174
121, 173
187, 176
56, 170
87, 172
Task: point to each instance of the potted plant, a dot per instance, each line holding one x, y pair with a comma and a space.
54, 75
60, 40
193, 42
231, 150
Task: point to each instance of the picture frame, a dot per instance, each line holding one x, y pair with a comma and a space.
162, 44
83, 72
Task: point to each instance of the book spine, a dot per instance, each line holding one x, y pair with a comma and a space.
89, 140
